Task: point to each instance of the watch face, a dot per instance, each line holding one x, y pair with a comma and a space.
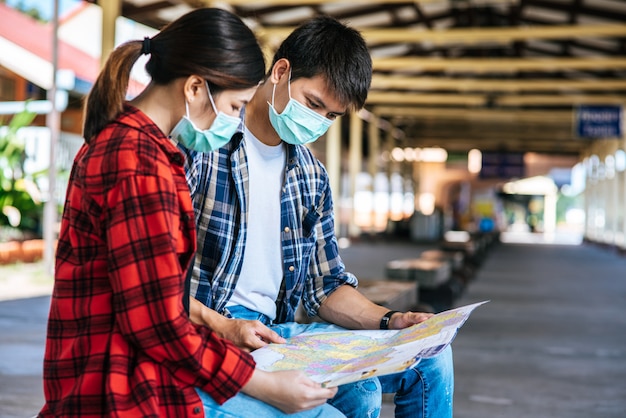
384, 322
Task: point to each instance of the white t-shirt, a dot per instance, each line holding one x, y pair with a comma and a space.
262, 268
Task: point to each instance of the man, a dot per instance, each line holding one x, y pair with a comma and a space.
264, 213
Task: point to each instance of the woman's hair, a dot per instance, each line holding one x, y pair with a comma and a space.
326, 47
211, 43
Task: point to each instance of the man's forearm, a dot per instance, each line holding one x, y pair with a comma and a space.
348, 308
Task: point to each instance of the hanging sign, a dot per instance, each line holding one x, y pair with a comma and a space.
599, 121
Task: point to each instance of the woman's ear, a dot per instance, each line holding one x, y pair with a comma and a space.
280, 69
193, 86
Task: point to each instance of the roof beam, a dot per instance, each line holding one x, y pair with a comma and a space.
474, 100
580, 9
470, 36
492, 35
404, 98
474, 115
380, 81
563, 100
256, 3
502, 65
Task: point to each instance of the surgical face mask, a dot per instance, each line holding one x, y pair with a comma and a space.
219, 133
297, 124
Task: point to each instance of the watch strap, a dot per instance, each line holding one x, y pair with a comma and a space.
384, 322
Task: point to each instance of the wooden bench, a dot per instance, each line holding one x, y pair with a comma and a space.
438, 287
392, 294
460, 268
455, 258
427, 273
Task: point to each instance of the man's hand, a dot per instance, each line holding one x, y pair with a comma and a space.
348, 308
245, 334
248, 335
403, 320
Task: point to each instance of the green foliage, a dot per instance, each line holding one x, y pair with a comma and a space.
20, 203
31, 11
565, 203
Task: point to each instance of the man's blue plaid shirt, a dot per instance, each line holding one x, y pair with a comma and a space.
312, 267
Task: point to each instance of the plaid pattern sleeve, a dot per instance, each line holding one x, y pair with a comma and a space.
312, 267
119, 342
312, 249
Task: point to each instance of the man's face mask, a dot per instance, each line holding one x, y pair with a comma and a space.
219, 133
297, 125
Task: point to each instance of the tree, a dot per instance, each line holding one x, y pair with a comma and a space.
20, 205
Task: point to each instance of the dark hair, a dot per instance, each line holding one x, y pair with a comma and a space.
324, 46
211, 43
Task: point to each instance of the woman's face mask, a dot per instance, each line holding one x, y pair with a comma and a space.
297, 124
219, 133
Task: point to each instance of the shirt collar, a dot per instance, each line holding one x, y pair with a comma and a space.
135, 118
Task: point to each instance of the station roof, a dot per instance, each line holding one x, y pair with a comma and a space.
489, 74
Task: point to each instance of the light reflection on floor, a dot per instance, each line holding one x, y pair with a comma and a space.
558, 237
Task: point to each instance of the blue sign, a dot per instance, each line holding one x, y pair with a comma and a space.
599, 121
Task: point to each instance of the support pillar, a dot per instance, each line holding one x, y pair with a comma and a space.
374, 147
355, 162
372, 167
53, 122
333, 166
111, 10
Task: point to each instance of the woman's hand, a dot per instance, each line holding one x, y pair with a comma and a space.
290, 391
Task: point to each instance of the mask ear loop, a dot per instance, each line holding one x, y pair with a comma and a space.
288, 90
289, 85
211, 98
273, 93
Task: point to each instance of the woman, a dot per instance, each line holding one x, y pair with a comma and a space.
119, 339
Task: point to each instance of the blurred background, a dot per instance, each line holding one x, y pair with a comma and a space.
488, 122
498, 115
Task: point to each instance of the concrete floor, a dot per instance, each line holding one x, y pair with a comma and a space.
550, 343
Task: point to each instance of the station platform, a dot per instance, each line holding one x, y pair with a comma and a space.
550, 343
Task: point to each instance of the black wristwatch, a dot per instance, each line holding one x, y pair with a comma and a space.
384, 322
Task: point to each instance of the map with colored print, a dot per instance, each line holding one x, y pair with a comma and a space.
336, 358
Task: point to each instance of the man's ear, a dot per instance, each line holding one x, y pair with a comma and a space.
280, 69
193, 86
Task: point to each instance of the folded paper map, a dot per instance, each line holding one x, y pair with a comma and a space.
339, 357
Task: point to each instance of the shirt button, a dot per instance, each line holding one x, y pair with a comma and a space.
287, 229
196, 410
291, 268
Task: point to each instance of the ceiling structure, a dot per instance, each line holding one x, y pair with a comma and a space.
497, 75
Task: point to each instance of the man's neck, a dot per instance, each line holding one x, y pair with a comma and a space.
257, 117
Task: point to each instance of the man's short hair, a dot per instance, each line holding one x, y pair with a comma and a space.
324, 46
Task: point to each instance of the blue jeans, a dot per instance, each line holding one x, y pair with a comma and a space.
360, 399
244, 406
426, 390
